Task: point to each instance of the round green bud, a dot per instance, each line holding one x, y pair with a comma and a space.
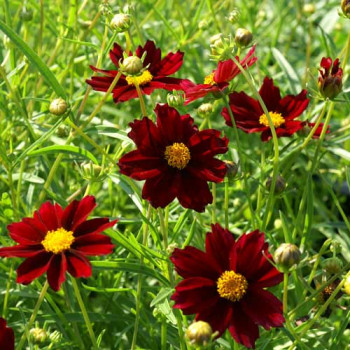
309, 9
243, 37
231, 169
55, 337
205, 109
38, 335
279, 186
345, 6
62, 131
176, 99
120, 22
26, 15
132, 65
199, 333
90, 170
287, 255
332, 265
58, 106
233, 16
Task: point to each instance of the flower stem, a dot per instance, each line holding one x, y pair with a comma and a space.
285, 293
226, 202
85, 314
32, 318
142, 102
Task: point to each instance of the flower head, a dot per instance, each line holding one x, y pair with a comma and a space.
250, 117
224, 285
330, 80
57, 240
219, 79
175, 159
155, 73
7, 336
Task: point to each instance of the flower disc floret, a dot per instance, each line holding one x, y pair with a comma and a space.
232, 286
209, 79
56, 241
142, 79
177, 155
276, 118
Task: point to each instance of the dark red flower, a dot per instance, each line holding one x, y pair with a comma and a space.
7, 337
154, 77
57, 240
224, 285
250, 117
330, 80
175, 159
219, 79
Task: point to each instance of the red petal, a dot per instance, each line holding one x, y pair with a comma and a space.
242, 328
108, 73
171, 63
192, 262
195, 294
152, 57
93, 244
201, 90
208, 170
77, 265
218, 244
20, 251
50, 215
124, 93
93, 226
292, 106
270, 94
116, 54
7, 337
166, 83
33, 267
56, 274
26, 234
100, 83
263, 308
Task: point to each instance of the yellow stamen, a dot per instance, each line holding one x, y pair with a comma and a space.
209, 79
142, 79
232, 286
277, 119
177, 155
58, 240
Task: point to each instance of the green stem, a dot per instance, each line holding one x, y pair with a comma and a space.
32, 318
213, 213
226, 201
285, 293
85, 314
142, 102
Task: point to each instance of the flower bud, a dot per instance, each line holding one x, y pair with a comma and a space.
287, 255
120, 22
335, 247
233, 16
243, 37
90, 170
199, 333
221, 47
231, 169
278, 224
132, 65
330, 79
26, 15
309, 9
279, 186
215, 38
176, 99
38, 335
203, 25
205, 109
332, 265
105, 8
345, 6
171, 247
62, 131
58, 106
55, 337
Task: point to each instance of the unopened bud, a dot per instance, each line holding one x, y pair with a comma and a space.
58, 106
287, 255
231, 169
176, 99
62, 131
330, 79
278, 224
335, 247
205, 109
279, 186
243, 37
171, 247
203, 25
233, 16
90, 170
345, 6
55, 337
309, 9
215, 38
38, 335
120, 22
332, 265
26, 15
199, 333
132, 65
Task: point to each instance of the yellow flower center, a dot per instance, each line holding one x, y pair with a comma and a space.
57, 241
177, 155
142, 79
232, 286
277, 119
209, 79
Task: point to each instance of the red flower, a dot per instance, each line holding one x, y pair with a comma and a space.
57, 240
175, 159
154, 77
330, 79
7, 337
250, 117
224, 285
219, 79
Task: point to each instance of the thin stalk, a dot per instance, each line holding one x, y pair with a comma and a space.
32, 318
142, 102
85, 314
226, 201
285, 293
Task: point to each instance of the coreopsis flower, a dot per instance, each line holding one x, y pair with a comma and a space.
175, 159
57, 240
225, 285
330, 80
154, 75
7, 336
250, 117
218, 80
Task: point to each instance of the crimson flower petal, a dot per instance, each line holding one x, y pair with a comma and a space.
56, 273
77, 264
20, 251
93, 244
96, 225
7, 336
171, 63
